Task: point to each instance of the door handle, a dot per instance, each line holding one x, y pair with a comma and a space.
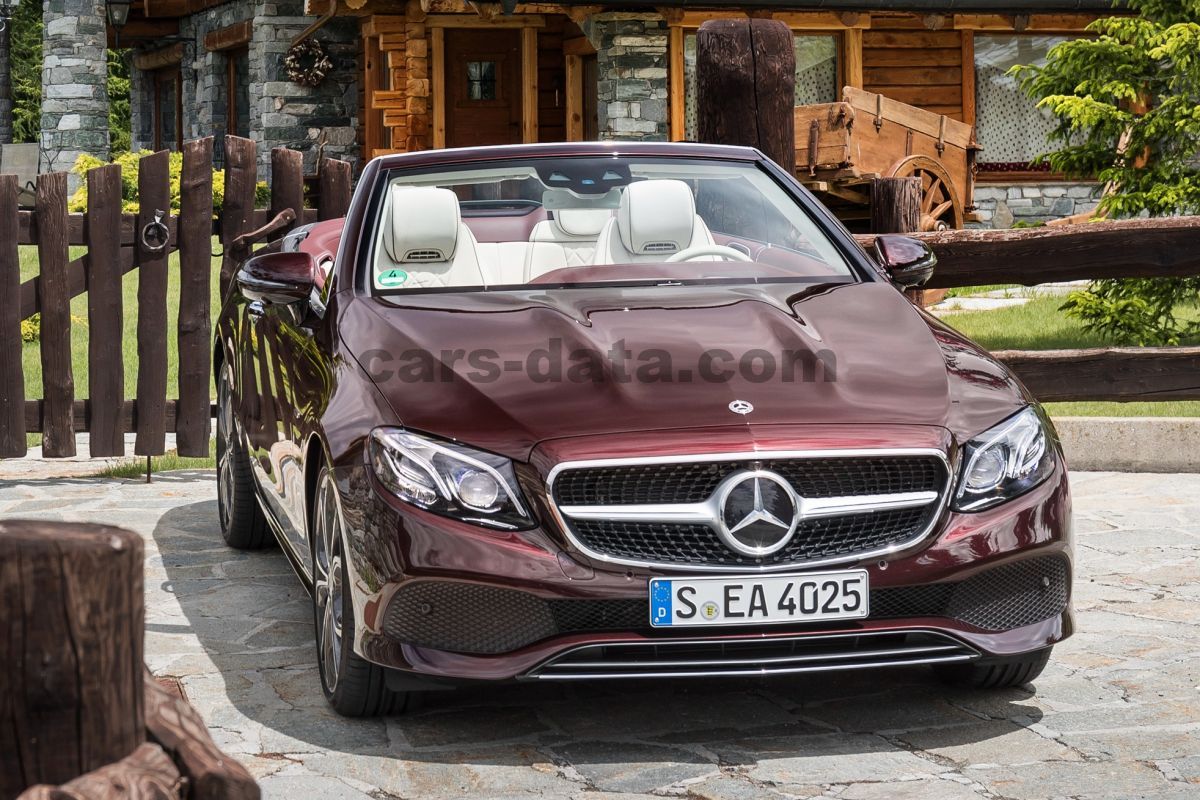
256, 309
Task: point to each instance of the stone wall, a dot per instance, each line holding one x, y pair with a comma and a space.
281, 113
6, 106
631, 60
74, 83
1003, 205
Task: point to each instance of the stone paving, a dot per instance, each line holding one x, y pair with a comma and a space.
1117, 714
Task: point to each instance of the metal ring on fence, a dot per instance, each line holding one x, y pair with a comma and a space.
155, 235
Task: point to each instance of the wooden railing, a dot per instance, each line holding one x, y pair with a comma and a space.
1138, 248
117, 243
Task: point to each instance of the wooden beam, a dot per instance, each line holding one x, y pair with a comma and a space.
156, 9
1064, 23
676, 90
437, 88
436, 21
168, 56
797, 20
852, 58
578, 46
574, 112
229, 37
529, 85
1132, 248
1121, 374
142, 30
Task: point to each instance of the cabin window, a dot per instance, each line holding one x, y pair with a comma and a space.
1010, 127
168, 109
816, 74
481, 80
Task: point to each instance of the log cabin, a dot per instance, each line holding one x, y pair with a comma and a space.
406, 75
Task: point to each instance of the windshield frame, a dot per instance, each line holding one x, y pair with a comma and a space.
854, 258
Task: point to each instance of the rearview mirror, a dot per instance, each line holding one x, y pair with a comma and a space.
909, 262
280, 278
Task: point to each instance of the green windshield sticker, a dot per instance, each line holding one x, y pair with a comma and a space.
393, 277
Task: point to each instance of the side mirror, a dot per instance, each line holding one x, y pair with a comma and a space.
909, 262
279, 278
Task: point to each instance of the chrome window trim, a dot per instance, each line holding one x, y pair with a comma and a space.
754, 455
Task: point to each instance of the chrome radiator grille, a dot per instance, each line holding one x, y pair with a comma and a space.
825, 507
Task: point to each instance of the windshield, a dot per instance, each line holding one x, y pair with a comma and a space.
594, 219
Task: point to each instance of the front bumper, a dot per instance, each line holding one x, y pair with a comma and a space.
452, 601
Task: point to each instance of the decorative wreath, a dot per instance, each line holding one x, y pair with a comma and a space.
306, 63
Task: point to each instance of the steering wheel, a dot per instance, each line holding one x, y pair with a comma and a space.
708, 250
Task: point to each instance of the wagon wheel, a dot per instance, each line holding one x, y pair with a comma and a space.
941, 207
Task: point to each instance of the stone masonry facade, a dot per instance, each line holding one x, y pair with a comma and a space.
281, 113
631, 59
6, 106
1006, 205
74, 83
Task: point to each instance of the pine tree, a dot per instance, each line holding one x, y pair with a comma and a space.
1128, 107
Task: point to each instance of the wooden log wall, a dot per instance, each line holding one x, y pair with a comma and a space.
904, 60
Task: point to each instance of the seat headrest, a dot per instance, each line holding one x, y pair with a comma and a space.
582, 223
656, 216
422, 224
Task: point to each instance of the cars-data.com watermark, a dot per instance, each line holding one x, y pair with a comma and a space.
556, 363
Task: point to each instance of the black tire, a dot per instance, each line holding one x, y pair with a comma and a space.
353, 686
995, 673
243, 524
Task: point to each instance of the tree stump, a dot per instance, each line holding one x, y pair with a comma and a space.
72, 611
746, 86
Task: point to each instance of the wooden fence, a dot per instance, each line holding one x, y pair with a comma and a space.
1136, 248
117, 243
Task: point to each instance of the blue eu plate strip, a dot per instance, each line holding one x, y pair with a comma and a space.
660, 602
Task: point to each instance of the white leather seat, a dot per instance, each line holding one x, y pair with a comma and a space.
425, 243
575, 230
656, 219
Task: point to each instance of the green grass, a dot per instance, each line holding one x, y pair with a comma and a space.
1039, 325
171, 460
31, 354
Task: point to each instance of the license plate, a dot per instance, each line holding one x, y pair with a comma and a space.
812, 597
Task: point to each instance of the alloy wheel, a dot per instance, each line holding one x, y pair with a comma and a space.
225, 444
327, 568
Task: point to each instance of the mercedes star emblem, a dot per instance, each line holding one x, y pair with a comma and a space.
758, 512
741, 407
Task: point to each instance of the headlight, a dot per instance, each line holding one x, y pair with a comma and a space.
449, 479
1004, 462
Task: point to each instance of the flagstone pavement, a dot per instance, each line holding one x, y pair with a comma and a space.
1116, 715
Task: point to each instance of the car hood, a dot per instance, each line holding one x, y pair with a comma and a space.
507, 370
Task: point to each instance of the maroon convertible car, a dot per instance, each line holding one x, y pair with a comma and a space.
578, 412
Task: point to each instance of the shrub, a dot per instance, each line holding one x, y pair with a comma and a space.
129, 182
31, 329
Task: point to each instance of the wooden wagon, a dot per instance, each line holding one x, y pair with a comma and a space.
840, 147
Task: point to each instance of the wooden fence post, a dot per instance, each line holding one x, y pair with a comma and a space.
106, 366
241, 176
896, 208
154, 194
746, 86
193, 414
58, 385
71, 694
287, 186
334, 188
895, 205
12, 376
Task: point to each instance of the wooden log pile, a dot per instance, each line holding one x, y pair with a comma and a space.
80, 717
